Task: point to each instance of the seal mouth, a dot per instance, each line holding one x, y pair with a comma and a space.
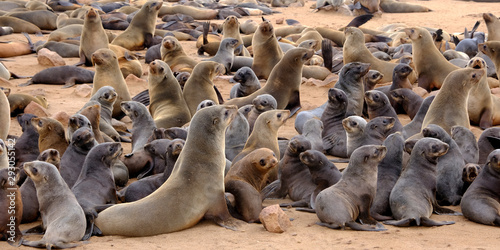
168, 44
91, 13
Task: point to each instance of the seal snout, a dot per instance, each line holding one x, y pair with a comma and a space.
380, 152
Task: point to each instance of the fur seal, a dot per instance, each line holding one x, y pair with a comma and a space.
167, 105
4, 116
333, 134
480, 201
51, 133
142, 123
480, 102
225, 54
312, 130
93, 37
392, 6
62, 217
237, 134
351, 82
449, 168
106, 97
125, 219
11, 204
95, 185
431, 66
467, 143
415, 126
19, 25
374, 133
399, 80
107, 73
19, 101
26, 147
323, 172
139, 33
490, 48
413, 198
487, 142
67, 75
231, 29
266, 50
200, 84
469, 174
283, 82
354, 127
349, 200
73, 159
261, 104
246, 83
448, 112
93, 115
493, 26
173, 54
245, 180
407, 99
379, 105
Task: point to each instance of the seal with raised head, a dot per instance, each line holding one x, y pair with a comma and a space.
62, 217
73, 159
181, 193
351, 82
333, 134
142, 123
26, 147
245, 180
246, 83
354, 127
407, 99
449, 107
225, 54
283, 82
493, 26
349, 200
51, 134
167, 105
378, 104
266, 50
480, 201
261, 104
173, 54
413, 198
93, 36
107, 73
140, 32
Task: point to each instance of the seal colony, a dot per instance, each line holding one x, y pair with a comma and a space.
204, 153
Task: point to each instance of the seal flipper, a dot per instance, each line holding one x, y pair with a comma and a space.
309, 210
359, 227
380, 217
248, 200
142, 97
431, 223
147, 171
301, 203
400, 223
34, 230
70, 83
219, 213
148, 40
294, 103
26, 83
219, 95
329, 225
486, 120
83, 60
424, 82
327, 53
442, 210
274, 191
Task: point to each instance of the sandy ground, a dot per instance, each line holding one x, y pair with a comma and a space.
451, 16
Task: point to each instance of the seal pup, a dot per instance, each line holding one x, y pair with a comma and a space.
449, 108
73, 159
373, 133
266, 50
107, 73
139, 33
354, 127
12, 205
175, 196
487, 142
469, 174
351, 82
415, 126
449, 168
225, 54
283, 82
95, 185
431, 66
312, 130
389, 170
480, 201
407, 99
246, 83
378, 104
236, 135
26, 147
323, 172
413, 198
106, 97
467, 143
349, 200
261, 104
245, 180
399, 80
200, 84
333, 134
167, 105
51, 134
62, 217
142, 123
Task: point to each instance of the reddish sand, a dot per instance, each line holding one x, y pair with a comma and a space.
451, 16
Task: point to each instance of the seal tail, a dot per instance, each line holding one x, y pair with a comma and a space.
360, 20
327, 53
142, 97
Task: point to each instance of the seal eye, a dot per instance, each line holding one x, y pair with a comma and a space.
279, 116
40, 124
262, 162
34, 171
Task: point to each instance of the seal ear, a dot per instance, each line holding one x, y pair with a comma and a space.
215, 121
367, 157
409, 144
49, 127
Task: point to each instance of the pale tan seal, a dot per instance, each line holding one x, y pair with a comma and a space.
93, 37
195, 189
266, 50
174, 55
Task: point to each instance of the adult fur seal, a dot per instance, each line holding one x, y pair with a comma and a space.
62, 216
93, 37
173, 54
449, 107
480, 201
283, 82
493, 26
168, 107
413, 198
67, 75
19, 101
177, 194
245, 180
108, 74
139, 33
349, 200
266, 50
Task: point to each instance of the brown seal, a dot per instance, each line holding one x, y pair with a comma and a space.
43, 19
200, 84
245, 180
196, 13
167, 105
392, 6
139, 33
62, 217
283, 82
449, 107
129, 219
266, 50
108, 74
231, 28
19, 25
493, 25
51, 133
11, 204
480, 201
93, 36
173, 54
413, 198
349, 200
4, 116
480, 101
431, 65
19, 101
491, 48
